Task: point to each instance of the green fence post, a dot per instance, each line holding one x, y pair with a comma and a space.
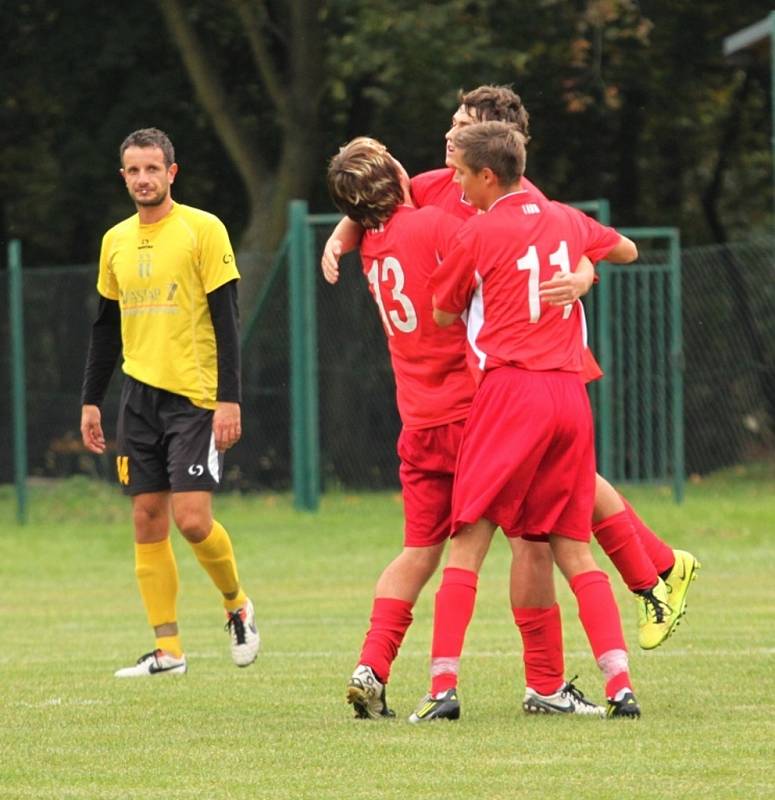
311, 348
19, 411
602, 322
305, 449
598, 305
677, 365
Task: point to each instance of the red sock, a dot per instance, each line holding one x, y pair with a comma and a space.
661, 555
616, 535
542, 652
454, 608
390, 619
600, 617
619, 681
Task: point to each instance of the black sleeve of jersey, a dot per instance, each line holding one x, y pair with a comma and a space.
104, 350
224, 312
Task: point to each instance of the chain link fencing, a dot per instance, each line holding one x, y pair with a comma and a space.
729, 353
729, 377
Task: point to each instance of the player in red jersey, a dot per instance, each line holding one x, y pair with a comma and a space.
658, 575
527, 461
434, 389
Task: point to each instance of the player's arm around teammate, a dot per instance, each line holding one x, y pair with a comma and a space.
534, 606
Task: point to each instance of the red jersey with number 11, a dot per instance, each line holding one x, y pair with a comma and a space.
433, 383
504, 254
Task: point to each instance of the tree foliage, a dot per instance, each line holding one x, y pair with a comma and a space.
628, 101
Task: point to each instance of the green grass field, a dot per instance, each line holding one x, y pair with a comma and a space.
70, 615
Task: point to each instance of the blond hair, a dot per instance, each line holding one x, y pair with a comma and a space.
364, 181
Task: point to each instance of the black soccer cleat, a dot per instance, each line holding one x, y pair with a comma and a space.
626, 708
444, 705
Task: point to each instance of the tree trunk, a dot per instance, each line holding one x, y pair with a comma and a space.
215, 100
296, 99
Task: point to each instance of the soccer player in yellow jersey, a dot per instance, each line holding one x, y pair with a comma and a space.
168, 299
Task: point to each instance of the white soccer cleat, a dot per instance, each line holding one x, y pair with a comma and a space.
366, 694
157, 662
568, 700
245, 640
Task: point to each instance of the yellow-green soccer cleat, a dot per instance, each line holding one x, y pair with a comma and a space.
679, 580
656, 618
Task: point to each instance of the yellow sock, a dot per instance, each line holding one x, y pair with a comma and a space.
216, 555
171, 644
157, 577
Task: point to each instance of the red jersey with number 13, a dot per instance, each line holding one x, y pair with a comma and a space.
495, 268
433, 383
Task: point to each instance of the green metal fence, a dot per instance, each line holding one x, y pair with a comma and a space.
635, 331
17, 377
319, 408
597, 308
634, 317
305, 452
638, 337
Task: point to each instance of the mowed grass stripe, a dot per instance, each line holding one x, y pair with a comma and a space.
70, 615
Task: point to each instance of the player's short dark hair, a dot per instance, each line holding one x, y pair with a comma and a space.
149, 137
364, 182
497, 145
497, 103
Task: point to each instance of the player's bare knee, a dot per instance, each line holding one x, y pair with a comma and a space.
534, 553
425, 566
193, 524
423, 560
151, 520
607, 500
572, 556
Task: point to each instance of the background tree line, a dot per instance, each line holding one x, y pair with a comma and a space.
629, 101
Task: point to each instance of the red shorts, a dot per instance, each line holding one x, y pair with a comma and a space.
527, 460
427, 470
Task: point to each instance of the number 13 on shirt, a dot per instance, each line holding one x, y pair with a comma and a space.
405, 320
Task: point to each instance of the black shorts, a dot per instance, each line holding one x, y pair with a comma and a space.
164, 442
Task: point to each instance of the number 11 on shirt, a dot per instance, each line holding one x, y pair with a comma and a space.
530, 261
